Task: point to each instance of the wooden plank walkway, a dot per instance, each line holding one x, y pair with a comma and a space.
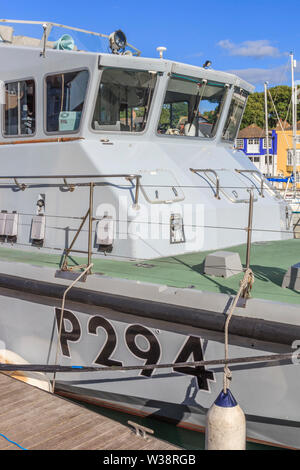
38, 420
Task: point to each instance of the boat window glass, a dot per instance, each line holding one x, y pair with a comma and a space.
65, 100
192, 107
235, 114
19, 108
124, 100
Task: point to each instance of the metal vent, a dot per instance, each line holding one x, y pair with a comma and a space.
176, 229
38, 229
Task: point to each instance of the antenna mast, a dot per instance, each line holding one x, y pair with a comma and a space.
267, 128
294, 103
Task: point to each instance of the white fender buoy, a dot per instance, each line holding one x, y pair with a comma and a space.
225, 424
36, 379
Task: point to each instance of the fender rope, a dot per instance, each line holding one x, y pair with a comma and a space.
244, 291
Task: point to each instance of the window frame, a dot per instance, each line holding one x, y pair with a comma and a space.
270, 159
154, 97
51, 74
193, 138
16, 136
254, 158
253, 141
239, 147
289, 159
270, 143
233, 87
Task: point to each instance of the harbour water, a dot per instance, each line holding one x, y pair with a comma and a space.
183, 438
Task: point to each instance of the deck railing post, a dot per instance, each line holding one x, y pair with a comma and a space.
91, 210
137, 190
249, 228
89, 215
68, 250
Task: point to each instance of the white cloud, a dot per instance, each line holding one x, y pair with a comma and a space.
275, 76
257, 49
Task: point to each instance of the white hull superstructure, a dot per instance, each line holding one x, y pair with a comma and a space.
163, 161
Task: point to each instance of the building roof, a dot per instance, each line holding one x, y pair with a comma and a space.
286, 126
290, 128
251, 132
282, 125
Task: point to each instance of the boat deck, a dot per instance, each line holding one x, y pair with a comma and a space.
38, 420
269, 262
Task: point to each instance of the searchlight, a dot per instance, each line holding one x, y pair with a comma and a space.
117, 41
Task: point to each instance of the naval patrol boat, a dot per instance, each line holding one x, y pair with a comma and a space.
127, 219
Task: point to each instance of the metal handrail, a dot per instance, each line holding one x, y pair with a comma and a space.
262, 180
48, 25
71, 186
290, 193
209, 170
89, 215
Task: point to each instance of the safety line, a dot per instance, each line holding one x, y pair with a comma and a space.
216, 362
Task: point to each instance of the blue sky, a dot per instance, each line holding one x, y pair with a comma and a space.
252, 38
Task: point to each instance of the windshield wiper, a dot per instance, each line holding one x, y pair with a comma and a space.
198, 99
150, 92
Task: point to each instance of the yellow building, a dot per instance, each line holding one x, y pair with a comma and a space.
285, 160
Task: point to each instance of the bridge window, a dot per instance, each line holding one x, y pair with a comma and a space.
192, 107
65, 100
19, 108
235, 114
124, 100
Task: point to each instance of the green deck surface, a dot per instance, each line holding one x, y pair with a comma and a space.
269, 262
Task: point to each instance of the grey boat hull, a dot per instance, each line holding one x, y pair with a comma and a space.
104, 329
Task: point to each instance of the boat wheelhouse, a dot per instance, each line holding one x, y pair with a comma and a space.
169, 125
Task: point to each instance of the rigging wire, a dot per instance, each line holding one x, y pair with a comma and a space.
279, 120
284, 72
289, 110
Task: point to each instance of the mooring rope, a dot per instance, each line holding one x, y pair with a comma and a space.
244, 291
62, 317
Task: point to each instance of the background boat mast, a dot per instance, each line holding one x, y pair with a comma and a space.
294, 107
267, 129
